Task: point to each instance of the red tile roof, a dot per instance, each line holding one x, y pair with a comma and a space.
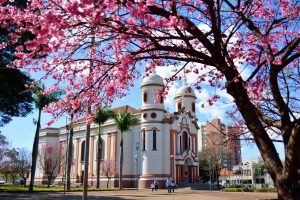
118, 109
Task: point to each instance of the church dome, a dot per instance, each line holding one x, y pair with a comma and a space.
152, 79
185, 90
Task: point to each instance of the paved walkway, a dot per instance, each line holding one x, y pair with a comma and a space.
142, 194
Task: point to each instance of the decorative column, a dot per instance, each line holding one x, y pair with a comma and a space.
172, 153
91, 155
76, 157
62, 145
114, 149
108, 145
176, 143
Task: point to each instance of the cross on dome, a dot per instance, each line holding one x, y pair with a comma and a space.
153, 71
184, 80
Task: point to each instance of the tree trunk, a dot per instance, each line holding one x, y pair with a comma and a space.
86, 159
281, 175
287, 191
49, 182
99, 156
70, 155
121, 161
107, 183
217, 176
35, 151
25, 180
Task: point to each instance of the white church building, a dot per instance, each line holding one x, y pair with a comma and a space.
161, 145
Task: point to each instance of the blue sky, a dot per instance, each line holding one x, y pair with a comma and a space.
20, 131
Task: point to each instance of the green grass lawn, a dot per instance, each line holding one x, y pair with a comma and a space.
10, 188
249, 190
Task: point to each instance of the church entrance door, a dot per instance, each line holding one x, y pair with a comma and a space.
188, 170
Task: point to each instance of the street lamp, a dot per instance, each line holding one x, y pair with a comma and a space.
137, 144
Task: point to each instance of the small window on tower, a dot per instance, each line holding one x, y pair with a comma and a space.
145, 97
193, 107
145, 115
153, 115
179, 106
154, 139
161, 100
144, 140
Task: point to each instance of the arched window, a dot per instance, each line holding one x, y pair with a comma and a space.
193, 107
189, 142
144, 140
145, 97
101, 149
82, 151
161, 100
179, 106
185, 140
180, 144
154, 139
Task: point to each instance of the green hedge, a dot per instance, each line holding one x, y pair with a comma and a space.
249, 190
238, 190
265, 190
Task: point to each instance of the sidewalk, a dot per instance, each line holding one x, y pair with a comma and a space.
179, 194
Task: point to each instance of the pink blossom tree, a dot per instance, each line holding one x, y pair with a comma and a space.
109, 169
51, 160
215, 40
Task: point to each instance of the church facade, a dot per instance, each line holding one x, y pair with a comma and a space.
161, 145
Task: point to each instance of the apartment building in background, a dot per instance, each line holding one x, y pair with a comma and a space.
218, 135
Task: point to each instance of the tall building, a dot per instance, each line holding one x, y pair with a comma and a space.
161, 145
218, 135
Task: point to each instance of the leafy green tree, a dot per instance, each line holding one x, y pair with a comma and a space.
123, 121
102, 115
15, 98
41, 100
203, 169
3, 148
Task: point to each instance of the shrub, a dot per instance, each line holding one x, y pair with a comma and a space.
238, 190
266, 190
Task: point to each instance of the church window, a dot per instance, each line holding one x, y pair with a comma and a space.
193, 107
180, 144
189, 142
145, 115
154, 139
144, 140
82, 151
185, 140
161, 100
101, 149
153, 115
145, 97
179, 106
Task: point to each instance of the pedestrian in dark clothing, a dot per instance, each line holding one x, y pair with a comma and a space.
173, 185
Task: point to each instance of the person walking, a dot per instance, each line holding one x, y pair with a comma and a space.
169, 184
156, 184
152, 186
173, 184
